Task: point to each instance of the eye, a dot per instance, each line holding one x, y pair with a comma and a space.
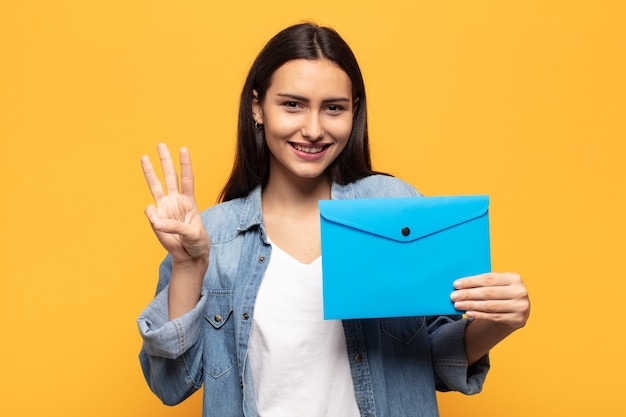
335, 108
291, 105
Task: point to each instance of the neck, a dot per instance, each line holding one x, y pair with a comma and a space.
298, 194
291, 214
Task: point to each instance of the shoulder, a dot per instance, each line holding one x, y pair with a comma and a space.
223, 220
377, 186
229, 208
233, 216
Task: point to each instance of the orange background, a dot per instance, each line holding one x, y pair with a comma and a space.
525, 101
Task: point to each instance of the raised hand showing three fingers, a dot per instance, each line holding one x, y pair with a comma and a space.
174, 216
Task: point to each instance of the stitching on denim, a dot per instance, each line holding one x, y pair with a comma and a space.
385, 330
450, 362
181, 334
215, 376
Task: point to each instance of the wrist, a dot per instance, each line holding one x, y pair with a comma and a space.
186, 285
196, 266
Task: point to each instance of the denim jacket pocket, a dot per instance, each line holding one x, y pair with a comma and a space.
219, 340
403, 329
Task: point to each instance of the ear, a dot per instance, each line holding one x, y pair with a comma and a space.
257, 109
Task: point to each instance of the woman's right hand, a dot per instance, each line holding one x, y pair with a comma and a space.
174, 217
176, 222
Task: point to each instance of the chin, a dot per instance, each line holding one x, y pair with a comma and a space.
310, 175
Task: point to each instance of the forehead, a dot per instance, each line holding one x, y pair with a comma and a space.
311, 77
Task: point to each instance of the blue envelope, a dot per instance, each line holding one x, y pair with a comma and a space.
395, 257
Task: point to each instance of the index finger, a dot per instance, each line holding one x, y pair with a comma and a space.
488, 279
186, 172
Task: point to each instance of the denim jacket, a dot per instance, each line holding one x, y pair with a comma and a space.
397, 364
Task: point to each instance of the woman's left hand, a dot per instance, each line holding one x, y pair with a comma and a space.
496, 297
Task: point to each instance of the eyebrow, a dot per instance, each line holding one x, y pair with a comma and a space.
302, 98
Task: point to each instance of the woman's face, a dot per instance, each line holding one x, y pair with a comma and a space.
307, 116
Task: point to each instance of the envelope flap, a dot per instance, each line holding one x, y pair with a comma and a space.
404, 219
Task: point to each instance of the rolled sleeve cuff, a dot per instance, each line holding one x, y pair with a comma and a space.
450, 362
169, 338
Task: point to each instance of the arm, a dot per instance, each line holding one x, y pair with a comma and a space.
171, 355
498, 303
176, 222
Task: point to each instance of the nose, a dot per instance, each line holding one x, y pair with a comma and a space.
312, 129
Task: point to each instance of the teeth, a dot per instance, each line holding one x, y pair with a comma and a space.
308, 149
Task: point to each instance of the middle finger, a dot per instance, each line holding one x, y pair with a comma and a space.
482, 293
169, 171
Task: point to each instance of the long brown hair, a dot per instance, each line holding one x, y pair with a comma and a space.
301, 41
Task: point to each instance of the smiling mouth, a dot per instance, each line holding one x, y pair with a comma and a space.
309, 149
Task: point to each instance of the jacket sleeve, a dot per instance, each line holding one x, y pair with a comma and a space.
171, 355
452, 372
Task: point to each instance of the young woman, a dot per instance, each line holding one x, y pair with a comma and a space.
238, 306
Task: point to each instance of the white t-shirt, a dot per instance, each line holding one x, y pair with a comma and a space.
298, 360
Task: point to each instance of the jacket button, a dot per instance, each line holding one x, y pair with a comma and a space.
245, 316
358, 358
406, 231
218, 318
261, 258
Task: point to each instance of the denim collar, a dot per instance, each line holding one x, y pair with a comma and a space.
251, 215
